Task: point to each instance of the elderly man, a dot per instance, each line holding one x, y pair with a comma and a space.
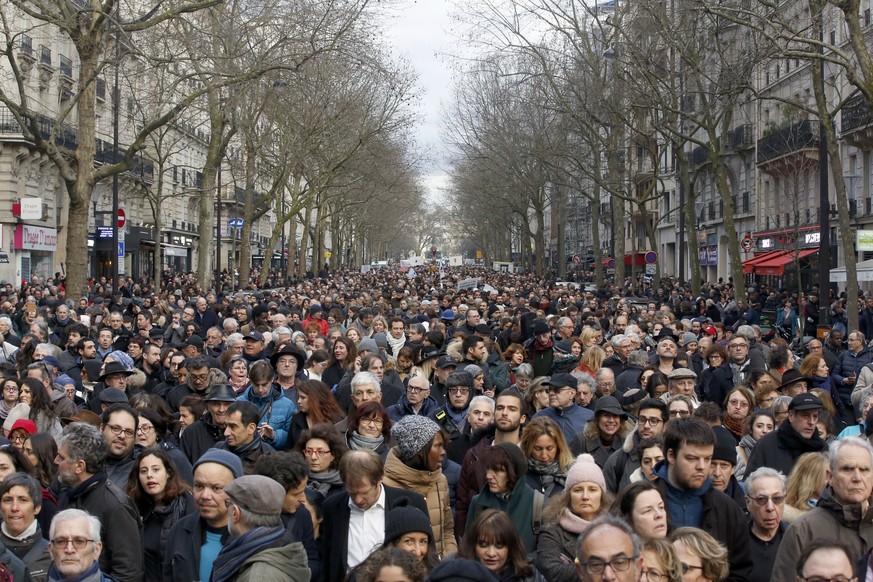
354, 520
666, 351
75, 546
563, 408
608, 549
417, 400
617, 362
195, 540
779, 449
681, 383
765, 499
199, 381
849, 365
257, 552
81, 462
605, 382
365, 387
843, 511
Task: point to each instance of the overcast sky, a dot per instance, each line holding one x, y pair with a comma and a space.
420, 33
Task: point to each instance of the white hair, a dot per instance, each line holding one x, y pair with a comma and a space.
72, 514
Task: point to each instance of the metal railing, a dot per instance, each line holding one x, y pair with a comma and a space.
787, 139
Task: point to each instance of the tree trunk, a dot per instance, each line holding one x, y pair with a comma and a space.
304, 238
245, 248
539, 242
214, 154
595, 238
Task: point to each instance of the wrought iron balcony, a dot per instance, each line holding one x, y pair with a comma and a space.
785, 140
856, 113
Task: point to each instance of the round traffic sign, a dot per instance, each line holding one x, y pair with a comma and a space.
122, 218
747, 244
577, 259
610, 264
651, 258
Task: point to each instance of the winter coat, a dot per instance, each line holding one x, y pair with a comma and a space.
723, 520
588, 441
164, 518
249, 457
283, 564
182, 557
572, 419
556, 551
434, 487
780, 448
715, 383
831, 520
472, 478
404, 408
621, 464
200, 437
498, 372
33, 551
276, 410
849, 364
519, 506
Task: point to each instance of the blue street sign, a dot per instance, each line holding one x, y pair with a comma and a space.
120, 248
235, 223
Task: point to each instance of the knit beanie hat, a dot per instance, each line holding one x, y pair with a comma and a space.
584, 469
461, 570
403, 519
412, 433
725, 446
222, 457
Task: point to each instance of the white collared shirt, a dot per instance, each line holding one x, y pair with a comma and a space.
366, 530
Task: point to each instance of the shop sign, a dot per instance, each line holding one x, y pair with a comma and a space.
35, 238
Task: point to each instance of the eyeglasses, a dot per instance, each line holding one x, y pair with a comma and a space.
810, 348
838, 578
78, 543
598, 566
198, 376
118, 431
416, 389
679, 413
649, 420
19, 438
686, 567
376, 422
145, 429
653, 576
317, 452
11, 389
763, 500
735, 346
458, 390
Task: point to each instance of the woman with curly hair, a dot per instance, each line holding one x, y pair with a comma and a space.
548, 456
323, 447
161, 500
315, 405
703, 558
391, 565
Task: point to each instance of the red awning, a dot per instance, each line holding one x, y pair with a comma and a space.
749, 264
776, 265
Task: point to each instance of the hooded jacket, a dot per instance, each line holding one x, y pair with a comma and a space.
831, 519
276, 410
434, 487
283, 564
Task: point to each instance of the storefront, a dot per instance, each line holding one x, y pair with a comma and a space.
782, 256
35, 248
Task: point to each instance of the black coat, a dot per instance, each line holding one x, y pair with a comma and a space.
780, 448
335, 527
182, 556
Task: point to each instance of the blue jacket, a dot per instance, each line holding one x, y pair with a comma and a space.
276, 410
849, 363
571, 419
404, 408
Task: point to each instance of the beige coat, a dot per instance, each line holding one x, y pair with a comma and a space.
432, 485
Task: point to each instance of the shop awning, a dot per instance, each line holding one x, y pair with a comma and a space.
749, 264
865, 272
776, 265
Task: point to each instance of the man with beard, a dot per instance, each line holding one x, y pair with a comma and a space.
204, 433
779, 449
452, 416
241, 436
196, 540
621, 464
197, 383
119, 426
81, 460
508, 418
692, 501
151, 366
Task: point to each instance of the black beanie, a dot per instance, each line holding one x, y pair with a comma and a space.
725, 446
405, 518
461, 570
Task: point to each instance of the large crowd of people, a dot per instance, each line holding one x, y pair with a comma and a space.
458, 423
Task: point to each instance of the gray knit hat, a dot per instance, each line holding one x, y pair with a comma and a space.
412, 433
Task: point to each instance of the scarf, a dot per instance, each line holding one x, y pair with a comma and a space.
396, 344
572, 522
28, 532
358, 442
748, 443
71, 493
4, 409
537, 346
242, 450
238, 388
550, 473
735, 426
793, 441
232, 556
322, 482
92, 574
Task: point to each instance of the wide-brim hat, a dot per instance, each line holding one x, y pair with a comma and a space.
289, 349
112, 368
220, 393
793, 376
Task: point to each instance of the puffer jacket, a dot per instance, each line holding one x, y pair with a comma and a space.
435, 489
276, 410
848, 523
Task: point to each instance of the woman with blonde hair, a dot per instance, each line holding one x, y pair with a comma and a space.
536, 395
805, 484
589, 337
660, 561
592, 360
548, 456
703, 559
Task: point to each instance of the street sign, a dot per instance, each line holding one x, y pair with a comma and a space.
650, 269
747, 243
121, 248
577, 259
610, 264
122, 218
235, 222
651, 258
